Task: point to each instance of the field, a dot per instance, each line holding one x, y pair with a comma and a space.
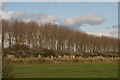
86, 70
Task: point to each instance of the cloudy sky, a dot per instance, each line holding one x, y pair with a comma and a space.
100, 18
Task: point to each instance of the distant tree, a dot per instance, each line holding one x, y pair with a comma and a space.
54, 37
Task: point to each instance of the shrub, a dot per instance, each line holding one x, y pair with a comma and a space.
47, 52
19, 47
7, 70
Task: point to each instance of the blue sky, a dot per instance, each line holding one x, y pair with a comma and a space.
66, 10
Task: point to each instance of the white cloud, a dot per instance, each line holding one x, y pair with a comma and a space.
113, 31
76, 22
115, 26
44, 18
92, 19
99, 34
6, 15
23, 16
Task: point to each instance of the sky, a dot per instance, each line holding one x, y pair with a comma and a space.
98, 18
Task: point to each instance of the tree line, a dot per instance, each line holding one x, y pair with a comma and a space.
54, 37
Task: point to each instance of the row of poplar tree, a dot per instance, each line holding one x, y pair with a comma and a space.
55, 37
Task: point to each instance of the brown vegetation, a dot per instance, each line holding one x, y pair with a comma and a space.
26, 39
62, 59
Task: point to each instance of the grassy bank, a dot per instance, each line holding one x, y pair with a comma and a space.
91, 70
65, 59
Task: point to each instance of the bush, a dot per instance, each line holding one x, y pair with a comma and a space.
19, 47
7, 70
47, 52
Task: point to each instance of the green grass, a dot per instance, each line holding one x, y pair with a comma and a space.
97, 70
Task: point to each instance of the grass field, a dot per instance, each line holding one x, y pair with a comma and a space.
96, 70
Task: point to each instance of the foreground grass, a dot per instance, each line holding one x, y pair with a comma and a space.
91, 70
